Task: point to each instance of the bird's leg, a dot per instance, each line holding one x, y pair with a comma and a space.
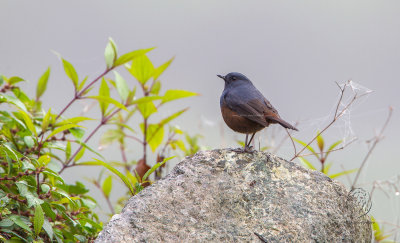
247, 147
245, 143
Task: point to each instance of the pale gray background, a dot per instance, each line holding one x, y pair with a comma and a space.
293, 51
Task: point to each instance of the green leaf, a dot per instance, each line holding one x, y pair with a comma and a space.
73, 120
42, 83
122, 87
38, 219
46, 120
142, 69
80, 87
54, 175
109, 100
149, 172
113, 170
61, 129
320, 141
48, 228
327, 167
20, 222
145, 99
131, 56
342, 173
111, 136
70, 71
80, 154
308, 147
23, 189
176, 94
48, 211
28, 121
78, 133
155, 89
44, 160
173, 116
306, 163
104, 91
155, 135
146, 109
14, 80
333, 146
68, 151
158, 71
107, 185
12, 100
110, 53
29, 141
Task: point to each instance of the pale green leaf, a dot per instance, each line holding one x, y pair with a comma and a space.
28, 122
42, 83
61, 129
111, 136
142, 69
104, 91
327, 167
46, 120
48, 228
14, 80
107, 186
127, 57
176, 94
79, 154
70, 71
73, 120
78, 133
109, 100
112, 169
173, 116
155, 89
18, 220
110, 53
44, 160
12, 100
29, 141
146, 109
306, 163
159, 70
342, 173
308, 147
122, 86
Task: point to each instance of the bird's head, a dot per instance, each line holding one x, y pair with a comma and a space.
234, 79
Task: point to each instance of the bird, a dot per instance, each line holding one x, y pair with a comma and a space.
244, 108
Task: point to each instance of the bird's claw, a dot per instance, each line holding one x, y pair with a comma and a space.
246, 149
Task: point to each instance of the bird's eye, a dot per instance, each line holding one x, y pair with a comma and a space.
233, 78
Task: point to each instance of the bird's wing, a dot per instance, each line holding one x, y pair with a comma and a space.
250, 109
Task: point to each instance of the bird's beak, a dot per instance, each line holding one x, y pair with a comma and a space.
220, 76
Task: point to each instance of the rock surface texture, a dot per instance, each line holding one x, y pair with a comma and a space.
224, 196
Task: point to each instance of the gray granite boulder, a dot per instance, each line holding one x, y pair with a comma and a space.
224, 196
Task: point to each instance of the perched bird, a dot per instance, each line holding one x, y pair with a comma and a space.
245, 109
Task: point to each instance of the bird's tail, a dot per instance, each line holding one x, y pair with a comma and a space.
285, 124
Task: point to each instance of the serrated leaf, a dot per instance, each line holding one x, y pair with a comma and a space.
71, 72
38, 219
146, 109
20, 222
48, 211
113, 170
107, 186
176, 94
122, 86
109, 100
127, 57
61, 129
42, 83
110, 53
307, 163
159, 70
142, 69
149, 172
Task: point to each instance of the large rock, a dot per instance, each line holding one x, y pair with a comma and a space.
224, 196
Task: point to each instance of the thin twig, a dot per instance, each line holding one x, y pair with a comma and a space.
291, 139
333, 150
376, 141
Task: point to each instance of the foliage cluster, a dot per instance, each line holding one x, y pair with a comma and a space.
38, 145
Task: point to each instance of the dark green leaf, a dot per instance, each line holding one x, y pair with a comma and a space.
42, 84
18, 220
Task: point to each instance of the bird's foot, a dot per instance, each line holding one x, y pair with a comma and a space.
247, 149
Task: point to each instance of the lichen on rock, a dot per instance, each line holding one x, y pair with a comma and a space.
225, 196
